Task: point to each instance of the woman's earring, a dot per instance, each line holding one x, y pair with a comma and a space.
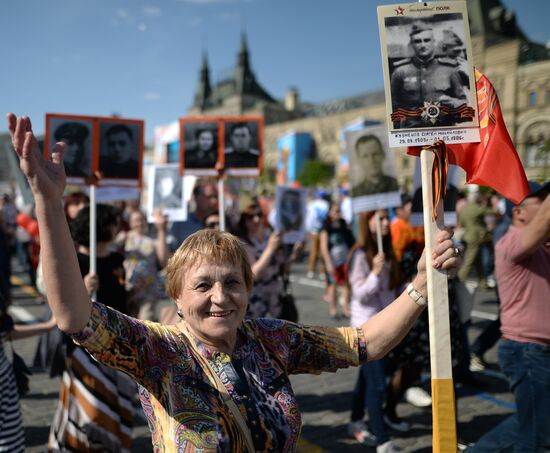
180, 314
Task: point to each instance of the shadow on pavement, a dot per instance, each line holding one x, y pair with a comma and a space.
36, 436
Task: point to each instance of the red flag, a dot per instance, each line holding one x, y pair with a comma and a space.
494, 162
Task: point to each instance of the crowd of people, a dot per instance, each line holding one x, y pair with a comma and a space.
221, 351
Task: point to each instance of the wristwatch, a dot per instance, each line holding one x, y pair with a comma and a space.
417, 297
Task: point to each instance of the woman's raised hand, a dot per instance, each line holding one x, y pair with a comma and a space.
274, 241
46, 177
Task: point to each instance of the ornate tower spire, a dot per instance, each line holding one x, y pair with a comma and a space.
243, 74
203, 87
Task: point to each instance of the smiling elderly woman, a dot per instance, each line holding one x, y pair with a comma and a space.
213, 382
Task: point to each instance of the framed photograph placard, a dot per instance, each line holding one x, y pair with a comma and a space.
290, 207
76, 131
428, 73
106, 151
200, 146
166, 192
372, 177
120, 152
242, 145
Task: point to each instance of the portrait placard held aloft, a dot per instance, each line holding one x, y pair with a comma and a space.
242, 154
373, 184
290, 207
199, 146
120, 151
166, 192
76, 132
105, 151
428, 73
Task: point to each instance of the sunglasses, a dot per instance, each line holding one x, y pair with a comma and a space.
212, 224
251, 215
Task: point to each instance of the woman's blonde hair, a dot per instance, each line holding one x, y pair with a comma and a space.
209, 245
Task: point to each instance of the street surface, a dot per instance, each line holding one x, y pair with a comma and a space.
324, 399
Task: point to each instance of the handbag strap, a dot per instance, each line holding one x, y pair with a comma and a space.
228, 400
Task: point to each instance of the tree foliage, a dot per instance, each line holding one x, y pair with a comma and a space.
315, 173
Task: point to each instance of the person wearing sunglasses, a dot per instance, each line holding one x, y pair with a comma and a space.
266, 257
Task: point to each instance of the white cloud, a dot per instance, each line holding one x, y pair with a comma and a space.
122, 13
151, 11
151, 96
142, 27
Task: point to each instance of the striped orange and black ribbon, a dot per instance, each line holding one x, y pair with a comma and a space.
462, 111
439, 173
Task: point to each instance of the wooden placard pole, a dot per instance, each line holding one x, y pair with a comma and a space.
443, 398
221, 203
93, 232
379, 234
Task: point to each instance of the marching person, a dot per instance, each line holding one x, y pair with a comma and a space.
522, 264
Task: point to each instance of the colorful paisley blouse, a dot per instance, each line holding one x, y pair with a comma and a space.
184, 410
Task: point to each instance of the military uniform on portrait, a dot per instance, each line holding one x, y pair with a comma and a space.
415, 81
383, 185
241, 159
198, 159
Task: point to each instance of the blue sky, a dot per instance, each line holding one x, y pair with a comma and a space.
140, 58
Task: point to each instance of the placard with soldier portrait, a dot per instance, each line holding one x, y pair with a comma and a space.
428, 73
372, 176
199, 146
290, 207
77, 134
166, 192
120, 152
242, 151
105, 151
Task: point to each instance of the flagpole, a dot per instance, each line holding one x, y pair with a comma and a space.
443, 398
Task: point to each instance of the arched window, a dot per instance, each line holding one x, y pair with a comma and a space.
535, 156
532, 98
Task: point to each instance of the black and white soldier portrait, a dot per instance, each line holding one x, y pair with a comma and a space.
200, 144
77, 135
290, 208
166, 192
372, 176
428, 69
241, 144
120, 149
167, 189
